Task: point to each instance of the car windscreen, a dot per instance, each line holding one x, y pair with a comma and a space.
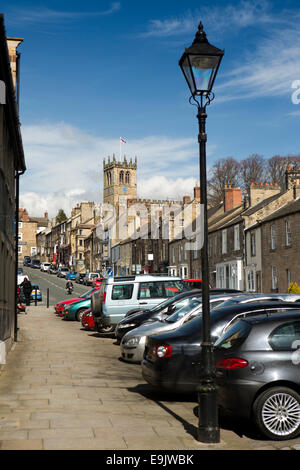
191, 303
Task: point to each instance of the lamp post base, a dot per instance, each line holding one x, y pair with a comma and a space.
208, 423
208, 428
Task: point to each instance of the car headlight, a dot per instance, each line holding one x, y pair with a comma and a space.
126, 325
132, 342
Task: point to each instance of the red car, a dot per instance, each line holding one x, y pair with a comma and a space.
87, 320
61, 305
97, 282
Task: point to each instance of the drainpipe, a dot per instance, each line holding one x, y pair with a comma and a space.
17, 176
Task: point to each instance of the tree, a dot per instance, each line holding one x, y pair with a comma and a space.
61, 216
278, 165
224, 171
252, 170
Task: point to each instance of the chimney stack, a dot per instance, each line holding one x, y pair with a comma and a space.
197, 192
232, 197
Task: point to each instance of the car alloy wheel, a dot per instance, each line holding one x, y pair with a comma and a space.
80, 313
277, 413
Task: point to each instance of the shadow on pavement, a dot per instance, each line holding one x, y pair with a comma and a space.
240, 427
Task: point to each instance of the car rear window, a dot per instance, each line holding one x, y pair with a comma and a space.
234, 336
122, 292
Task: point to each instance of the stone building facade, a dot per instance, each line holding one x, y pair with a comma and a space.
281, 248
12, 165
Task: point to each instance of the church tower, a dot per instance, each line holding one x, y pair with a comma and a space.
119, 179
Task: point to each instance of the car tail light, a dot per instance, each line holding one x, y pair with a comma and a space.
162, 351
104, 297
231, 363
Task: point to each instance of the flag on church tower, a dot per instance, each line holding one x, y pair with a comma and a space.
122, 140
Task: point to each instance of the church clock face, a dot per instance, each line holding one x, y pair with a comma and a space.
124, 189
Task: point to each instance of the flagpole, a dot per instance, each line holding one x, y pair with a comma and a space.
120, 148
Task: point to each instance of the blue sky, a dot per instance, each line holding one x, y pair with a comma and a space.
94, 71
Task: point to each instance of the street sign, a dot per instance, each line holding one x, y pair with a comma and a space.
109, 272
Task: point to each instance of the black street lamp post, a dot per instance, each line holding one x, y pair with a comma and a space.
200, 63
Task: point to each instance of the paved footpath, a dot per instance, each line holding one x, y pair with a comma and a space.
65, 388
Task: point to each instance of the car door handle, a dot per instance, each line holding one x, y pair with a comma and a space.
143, 303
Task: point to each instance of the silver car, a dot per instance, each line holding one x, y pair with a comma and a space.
252, 297
133, 343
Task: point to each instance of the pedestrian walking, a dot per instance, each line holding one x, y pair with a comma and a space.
27, 289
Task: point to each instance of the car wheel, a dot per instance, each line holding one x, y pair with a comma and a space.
105, 329
79, 313
277, 413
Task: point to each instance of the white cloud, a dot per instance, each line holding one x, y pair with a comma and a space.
46, 15
65, 166
215, 19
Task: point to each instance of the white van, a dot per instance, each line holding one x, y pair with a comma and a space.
119, 295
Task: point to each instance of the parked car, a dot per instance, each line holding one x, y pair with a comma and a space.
45, 267
87, 320
60, 305
26, 261
71, 275
193, 283
97, 281
160, 312
119, 295
20, 271
172, 360
62, 271
35, 263
258, 377
89, 278
75, 310
79, 278
35, 293
133, 343
246, 298
53, 269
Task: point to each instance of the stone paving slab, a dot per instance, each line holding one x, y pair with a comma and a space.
64, 388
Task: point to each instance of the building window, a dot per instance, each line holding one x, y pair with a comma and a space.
210, 247
179, 253
288, 238
127, 178
20, 236
224, 241
274, 278
273, 241
20, 248
80, 242
173, 254
33, 251
236, 237
289, 277
253, 243
121, 177
20, 224
250, 281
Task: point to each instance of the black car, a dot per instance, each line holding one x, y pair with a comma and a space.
26, 261
258, 373
172, 360
35, 263
79, 278
160, 311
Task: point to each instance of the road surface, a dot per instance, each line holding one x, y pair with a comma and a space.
56, 286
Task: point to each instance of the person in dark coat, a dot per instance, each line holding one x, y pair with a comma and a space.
27, 289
